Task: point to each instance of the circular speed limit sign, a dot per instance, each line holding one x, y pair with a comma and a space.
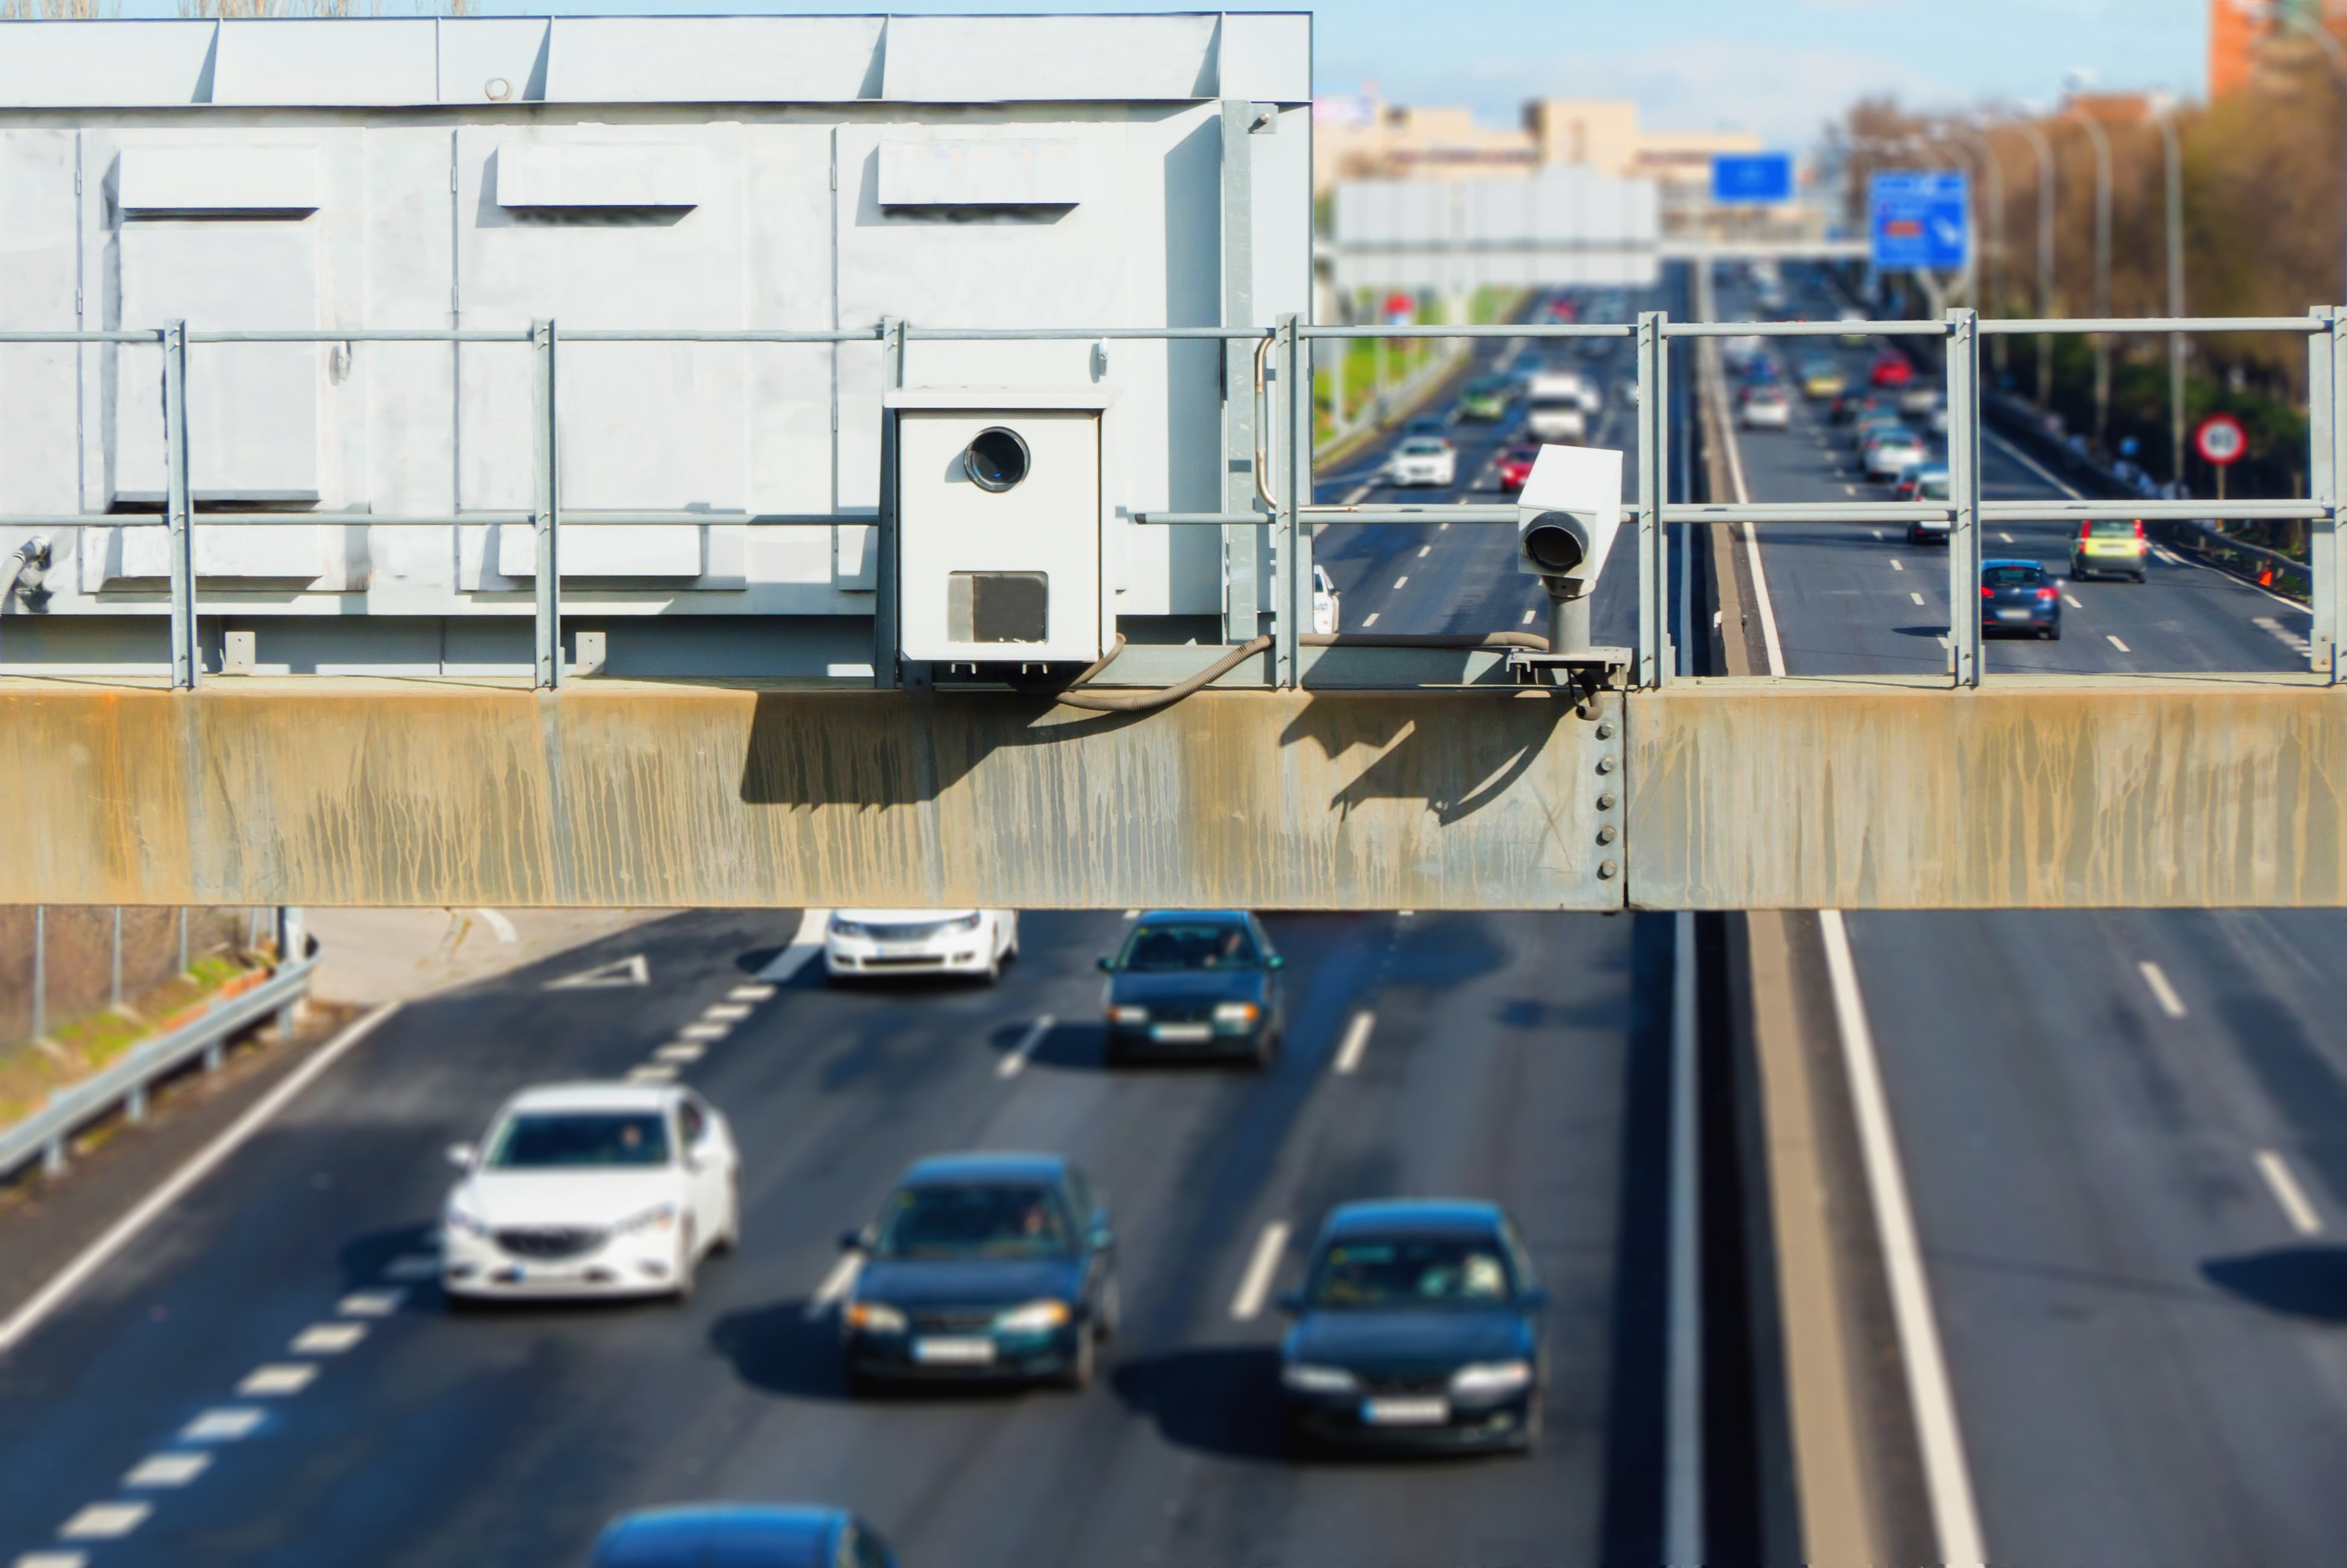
2222, 440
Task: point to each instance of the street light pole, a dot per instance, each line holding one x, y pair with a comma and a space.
2166, 120
2038, 145
2102, 140
1993, 175
2336, 53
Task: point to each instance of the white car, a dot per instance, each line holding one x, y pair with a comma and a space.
1325, 601
1887, 453
1767, 408
591, 1189
1425, 460
864, 942
1919, 399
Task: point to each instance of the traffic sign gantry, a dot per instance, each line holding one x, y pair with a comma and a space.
2221, 440
1921, 219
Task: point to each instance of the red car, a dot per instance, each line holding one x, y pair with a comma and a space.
1515, 467
1891, 371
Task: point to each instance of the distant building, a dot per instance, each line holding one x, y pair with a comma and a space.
2243, 36
1361, 138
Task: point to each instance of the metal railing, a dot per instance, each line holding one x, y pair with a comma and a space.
48, 1133
1270, 436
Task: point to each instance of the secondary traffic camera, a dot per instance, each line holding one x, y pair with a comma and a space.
1566, 516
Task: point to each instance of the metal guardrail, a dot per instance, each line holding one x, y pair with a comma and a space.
1282, 396
48, 1133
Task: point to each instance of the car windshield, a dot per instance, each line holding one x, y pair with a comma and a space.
579, 1140
2013, 576
1422, 448
2113, 527
1933, 489
1170, 949
1410, 1271
980, 1220
1520, 454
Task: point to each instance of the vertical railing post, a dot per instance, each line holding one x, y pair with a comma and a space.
1299, 486
1241, 543
186, 654
1653, 481
1294, 473
886, 673
545, 514
40, 970
2326, 433
1964, 497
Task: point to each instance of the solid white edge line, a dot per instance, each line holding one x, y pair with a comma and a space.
1947, 1478
805, 945
1013, 1064
496, 921
1255, 1284
126, 1230
1752, 534
2288, 1193
834, 1284
2117, 643
2161, 991
1683, 1536
1357, 1042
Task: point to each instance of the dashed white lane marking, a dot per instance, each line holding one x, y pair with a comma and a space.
2161, 991
1877, 532
371, 1303
1255, 1284
1357, 1042
2072, 600
680, 1051
224, 1424
496, 921
126, 1230
750, 994
1133, 913
1943, 642
1898, 566
726, 1012
105, 1520
805, 945
1424, 551
834, 1284
1370, 619
53, 1560
2117, 643
1850, 489
1947, 1477
415, 1265
1916, 596
2288, 1193
652, 1072
1013, 1065
276, 1377
2169, 556
704, 1032
1401, 581
1527, 615
2005, 537
326, 1339
1441, 528
167, 1469
2289, 639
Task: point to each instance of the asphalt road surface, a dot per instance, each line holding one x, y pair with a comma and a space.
2124, 1133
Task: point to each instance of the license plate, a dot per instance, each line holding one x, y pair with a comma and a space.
1182, 1033
1415, 1412
955, 1352
2013, 615
901, 950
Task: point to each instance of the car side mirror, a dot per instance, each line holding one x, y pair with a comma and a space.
1275, 962
1105, 964
1290, 1302
461, 1155
852, 1241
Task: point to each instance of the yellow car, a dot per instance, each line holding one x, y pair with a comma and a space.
2109, 547
1823, 381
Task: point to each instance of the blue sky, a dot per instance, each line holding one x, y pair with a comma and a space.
1777, 66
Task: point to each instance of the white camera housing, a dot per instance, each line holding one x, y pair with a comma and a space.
1567, 515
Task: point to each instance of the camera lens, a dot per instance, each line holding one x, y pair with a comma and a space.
1550, 545
996, 459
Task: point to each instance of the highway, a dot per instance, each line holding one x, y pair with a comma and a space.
1517, 1058
2124, 1134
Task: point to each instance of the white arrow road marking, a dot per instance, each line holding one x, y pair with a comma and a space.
631, 970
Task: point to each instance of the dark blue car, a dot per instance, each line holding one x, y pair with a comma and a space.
1197, 983
1418, 1328
741, 1535
982, 1266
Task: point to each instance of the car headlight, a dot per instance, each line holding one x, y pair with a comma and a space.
874, 1317
1035, 1317
1129, 1014
1236, 1012
1306, 1377
660, 1216
1492, 1378
840, 927
968, 922
471, 1225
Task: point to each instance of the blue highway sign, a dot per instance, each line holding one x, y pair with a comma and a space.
1752, 177
1921, 219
